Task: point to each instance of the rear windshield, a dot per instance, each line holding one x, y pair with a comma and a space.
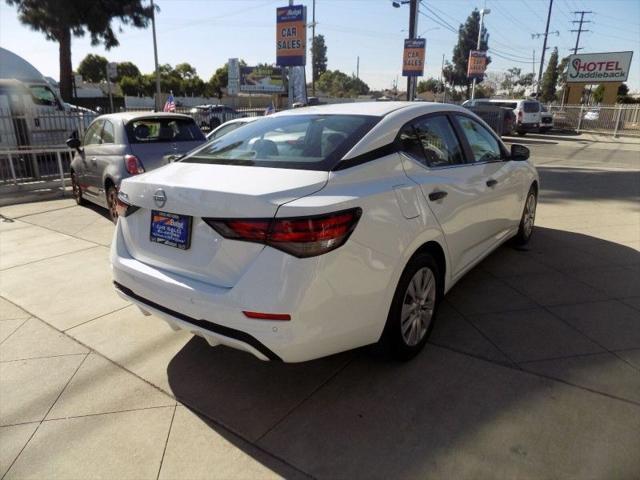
159, 130
531, 107
310, 142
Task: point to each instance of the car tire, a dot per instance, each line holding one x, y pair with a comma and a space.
112, 201
76, 191
527, 221
214, 123
522, 133
413, 309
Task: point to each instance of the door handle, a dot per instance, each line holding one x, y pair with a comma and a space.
491, 182
437, 195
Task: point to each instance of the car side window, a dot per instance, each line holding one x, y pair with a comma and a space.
226, 129
432, 141
484, 145
93, 134
108, 133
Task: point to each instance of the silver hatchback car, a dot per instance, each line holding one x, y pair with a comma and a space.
119, 145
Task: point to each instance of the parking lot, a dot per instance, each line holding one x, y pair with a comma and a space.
532, 371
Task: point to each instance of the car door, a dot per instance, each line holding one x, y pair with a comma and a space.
434, 157
502, 179
106, 154
91, 150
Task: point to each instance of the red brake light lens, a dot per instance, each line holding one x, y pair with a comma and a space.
133, 164
124, 208
298, 236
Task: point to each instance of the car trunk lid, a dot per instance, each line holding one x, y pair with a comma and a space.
209, 191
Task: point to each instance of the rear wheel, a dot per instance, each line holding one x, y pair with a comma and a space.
522, 133
76, 190
525, 230
413, 308
112, 202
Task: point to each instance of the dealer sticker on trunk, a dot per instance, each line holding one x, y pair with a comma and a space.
171, 229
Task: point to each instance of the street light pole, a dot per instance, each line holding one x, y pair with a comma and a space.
155, 55
482, 13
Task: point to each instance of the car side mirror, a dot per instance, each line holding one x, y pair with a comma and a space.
74, 143
519, 152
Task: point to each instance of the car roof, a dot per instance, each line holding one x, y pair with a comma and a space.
128, 116
376, 109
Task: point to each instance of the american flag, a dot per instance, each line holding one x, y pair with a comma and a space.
170, 104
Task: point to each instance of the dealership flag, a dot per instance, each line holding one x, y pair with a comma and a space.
170, 104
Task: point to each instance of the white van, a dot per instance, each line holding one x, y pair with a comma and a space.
528, 112
31, 112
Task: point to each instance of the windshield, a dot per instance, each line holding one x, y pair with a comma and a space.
157, 130
42, 95
311, 142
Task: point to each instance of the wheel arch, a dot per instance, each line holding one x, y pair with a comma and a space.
433, 248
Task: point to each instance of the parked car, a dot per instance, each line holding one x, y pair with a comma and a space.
592, 115
120, 145
527, 111
230, 126
546, 119
323, 229
212, 116
491, 112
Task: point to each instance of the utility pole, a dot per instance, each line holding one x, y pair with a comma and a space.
155, 55
533, 64
358, 67
313, 49
544, 48
580, 30
413, 27
444, 90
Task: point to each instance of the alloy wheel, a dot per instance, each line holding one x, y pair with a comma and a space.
418, 306
529, 215
112, 200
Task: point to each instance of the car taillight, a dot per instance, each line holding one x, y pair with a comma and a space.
299, 236
133, 164
123, 207
520, 115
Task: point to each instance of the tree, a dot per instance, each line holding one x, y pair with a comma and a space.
127, 69
186, 71
456, 72
93, 68
59, 20
550, 78
319, 56
429, 85
338, 84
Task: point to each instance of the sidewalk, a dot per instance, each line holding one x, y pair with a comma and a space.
533, 369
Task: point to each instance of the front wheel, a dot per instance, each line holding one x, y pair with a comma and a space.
112, 203
525, 230
413, 309
76, 190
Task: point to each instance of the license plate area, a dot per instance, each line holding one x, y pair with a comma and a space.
170, 229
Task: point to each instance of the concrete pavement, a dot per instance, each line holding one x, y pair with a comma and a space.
533, 369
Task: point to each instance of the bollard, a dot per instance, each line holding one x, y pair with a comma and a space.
61, 171
13, 170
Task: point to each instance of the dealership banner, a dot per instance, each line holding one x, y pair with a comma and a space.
599, 67
477, 64
264, 79
413, 57
291, 36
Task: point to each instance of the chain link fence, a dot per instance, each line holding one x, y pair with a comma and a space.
614, 119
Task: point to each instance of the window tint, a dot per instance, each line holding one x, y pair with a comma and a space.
409, 143
483, 144
108, 134
313, 142
92, 137
158, 130
531, 107
435, 143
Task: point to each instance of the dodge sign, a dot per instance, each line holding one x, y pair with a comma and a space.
599, 67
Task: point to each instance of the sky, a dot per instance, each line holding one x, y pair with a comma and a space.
205, 33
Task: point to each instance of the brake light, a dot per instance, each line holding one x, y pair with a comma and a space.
123, 207
519, 114
267, 316
133, 164
298, 236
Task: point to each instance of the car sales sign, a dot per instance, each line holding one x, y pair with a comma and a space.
413, 58
291, 36
599, 67
477, 64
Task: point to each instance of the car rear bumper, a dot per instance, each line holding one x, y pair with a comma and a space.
527, 127
326, 318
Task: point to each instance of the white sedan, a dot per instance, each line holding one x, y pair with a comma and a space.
322, 229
